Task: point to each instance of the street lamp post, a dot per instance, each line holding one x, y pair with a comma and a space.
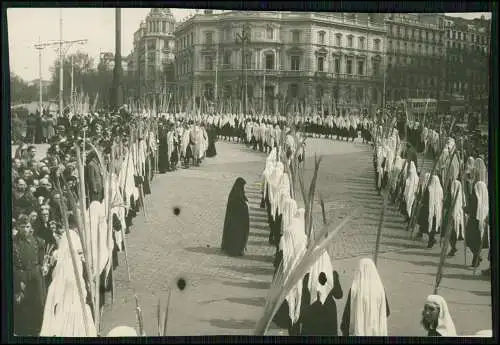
243, 38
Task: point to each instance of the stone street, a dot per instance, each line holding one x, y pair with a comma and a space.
225, 296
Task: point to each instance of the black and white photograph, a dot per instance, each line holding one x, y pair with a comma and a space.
205, 172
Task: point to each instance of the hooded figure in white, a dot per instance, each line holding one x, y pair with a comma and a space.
366, 309
411, 187
458, 210
435, 203
293, 244
482, 213
63, 315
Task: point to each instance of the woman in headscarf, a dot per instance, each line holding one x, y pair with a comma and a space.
435, 209
319, 316
436, 318
237, 221
457, 214
64, 313
410, 191
367, 309
476, 237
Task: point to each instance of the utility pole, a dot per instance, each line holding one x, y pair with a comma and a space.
72, 76
117, 70
243, 39
62, 47
40, 74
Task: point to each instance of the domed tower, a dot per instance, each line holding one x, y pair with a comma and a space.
159, 50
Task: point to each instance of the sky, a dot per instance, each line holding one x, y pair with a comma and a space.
26, 26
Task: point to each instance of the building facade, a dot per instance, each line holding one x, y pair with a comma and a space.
415, 56
467, 65
276, 58
151, 62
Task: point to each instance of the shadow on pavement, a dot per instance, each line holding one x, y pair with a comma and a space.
259, 226
464, 276
257, 243
249, 285
232, 323
252, 270
481, 293
397, 244
423, 253
259, 234
253, 301
256, 257
430, 263
205, 250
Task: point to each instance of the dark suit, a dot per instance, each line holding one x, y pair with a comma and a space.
94, 181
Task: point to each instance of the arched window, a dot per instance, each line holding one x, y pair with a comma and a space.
209, 91
294, 90
269, 61
321, 37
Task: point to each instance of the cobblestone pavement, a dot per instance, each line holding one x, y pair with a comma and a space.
225, 296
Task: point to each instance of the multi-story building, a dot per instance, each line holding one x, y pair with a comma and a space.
316, 58
151, 61
415, 56
467, 68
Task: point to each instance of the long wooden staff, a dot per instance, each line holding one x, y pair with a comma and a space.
444, 248
110, 217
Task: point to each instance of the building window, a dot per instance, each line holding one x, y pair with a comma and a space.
164, 26
412, 33
208, 37
270, 61
192, 38
390, 45
296, 36
295, 63
406, 47
361, 68
209, 63
227, 58
321, 37
321, 61
420, 49
376, 67
270, 33
400, 31
349, 41
376, 44
427, 35
348, 66
338, 40
337, 65
361, 43
459, 35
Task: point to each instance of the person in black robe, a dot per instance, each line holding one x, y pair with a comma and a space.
212, 136
163, 163
320, 319
29, 285
237, 221
473, 238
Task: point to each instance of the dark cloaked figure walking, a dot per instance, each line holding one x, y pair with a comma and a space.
237, 221
212, 136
